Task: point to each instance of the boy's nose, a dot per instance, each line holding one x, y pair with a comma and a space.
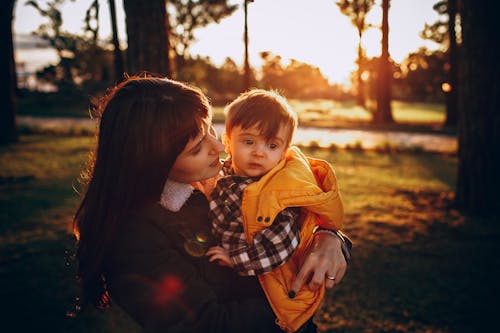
258, 152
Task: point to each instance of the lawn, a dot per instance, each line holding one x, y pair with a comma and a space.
419, 265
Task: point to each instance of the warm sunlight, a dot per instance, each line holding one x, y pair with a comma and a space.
316, 33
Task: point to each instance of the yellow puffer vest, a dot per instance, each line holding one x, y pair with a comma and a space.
297, 181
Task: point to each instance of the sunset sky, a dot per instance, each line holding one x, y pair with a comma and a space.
316, 33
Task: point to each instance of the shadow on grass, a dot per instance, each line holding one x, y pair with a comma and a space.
41, 293
418, 275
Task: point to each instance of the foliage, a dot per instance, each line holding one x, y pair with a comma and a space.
221, 84
448, 34
417, 78
83, 63
295, 80
357, 10
86, 65
424, 72
185, 16
438, 31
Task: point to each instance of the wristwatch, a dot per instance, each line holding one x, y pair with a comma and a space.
346, 243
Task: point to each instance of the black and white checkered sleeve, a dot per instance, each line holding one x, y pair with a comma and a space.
271, 247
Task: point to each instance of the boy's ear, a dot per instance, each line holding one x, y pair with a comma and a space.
226, 142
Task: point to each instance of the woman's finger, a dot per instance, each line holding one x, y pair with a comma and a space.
330, 280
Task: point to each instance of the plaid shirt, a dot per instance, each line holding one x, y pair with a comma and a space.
270, 248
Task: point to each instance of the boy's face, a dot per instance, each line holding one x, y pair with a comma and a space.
252, 154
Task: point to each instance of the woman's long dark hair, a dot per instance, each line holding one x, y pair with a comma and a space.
145, 123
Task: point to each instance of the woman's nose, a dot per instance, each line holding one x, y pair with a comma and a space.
217, 146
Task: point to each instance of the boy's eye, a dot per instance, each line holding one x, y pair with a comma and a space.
273, 146
248, 142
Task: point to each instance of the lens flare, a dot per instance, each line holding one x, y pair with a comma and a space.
201, 237
169, 289
194, 248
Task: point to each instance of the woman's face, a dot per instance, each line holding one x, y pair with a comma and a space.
200, 158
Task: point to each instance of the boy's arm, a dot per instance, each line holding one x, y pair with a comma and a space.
271, 247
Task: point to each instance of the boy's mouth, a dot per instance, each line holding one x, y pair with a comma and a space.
254, 165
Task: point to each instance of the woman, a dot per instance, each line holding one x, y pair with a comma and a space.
142, 225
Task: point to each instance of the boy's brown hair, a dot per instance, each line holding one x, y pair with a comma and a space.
266, 109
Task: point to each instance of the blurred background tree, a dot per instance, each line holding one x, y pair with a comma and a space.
296, 80
118, 56
357, 10
445, 33
85, 63
424, 75
383, 112
185, 17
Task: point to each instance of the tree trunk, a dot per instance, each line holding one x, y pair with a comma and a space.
246, 71
383, 114
118, 58
148, 44
479, 110
8, 128
360, 97
452, 95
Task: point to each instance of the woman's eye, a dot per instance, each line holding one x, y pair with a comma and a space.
196, 150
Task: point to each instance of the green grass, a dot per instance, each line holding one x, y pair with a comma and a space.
419, 265
419, 112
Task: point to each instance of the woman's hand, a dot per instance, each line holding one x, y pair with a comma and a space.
324, 263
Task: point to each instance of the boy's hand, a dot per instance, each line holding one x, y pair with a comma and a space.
221, 255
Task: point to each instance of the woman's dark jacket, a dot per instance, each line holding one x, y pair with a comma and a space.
158, 273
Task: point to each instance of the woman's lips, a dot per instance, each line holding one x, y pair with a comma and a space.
217, 161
